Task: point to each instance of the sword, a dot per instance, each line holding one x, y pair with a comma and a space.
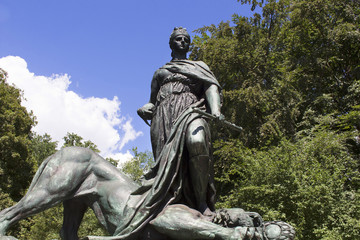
224, 122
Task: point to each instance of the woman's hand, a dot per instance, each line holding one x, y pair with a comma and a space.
219, 116
146, 111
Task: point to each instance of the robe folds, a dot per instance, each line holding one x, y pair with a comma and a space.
168, 180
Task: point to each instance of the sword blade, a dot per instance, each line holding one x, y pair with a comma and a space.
224, 122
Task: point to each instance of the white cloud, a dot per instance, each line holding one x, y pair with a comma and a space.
59, 110
122, 157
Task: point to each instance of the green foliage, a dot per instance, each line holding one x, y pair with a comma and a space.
312, 184
298, 55
42, 147
291, 78
47, 225
17, 164
351, 120
138, 165
91, 226
254, 3
72, 139
113, 161
16, 168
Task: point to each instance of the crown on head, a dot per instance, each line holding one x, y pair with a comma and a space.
179, 31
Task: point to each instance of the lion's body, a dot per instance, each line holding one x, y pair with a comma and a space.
80, 178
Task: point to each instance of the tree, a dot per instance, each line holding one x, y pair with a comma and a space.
290, 77
72, 139
298, 55
16, 168
16, 164
138, 165
42, 147
313, 183
47, 224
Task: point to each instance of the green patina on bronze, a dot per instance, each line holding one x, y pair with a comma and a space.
176, 198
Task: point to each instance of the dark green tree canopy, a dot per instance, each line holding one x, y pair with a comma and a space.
291, 79
16, 166
281, 69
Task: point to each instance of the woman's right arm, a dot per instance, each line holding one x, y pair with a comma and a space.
146, 111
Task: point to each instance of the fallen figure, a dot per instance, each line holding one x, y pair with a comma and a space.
80, 178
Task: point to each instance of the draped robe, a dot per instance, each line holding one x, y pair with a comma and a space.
168, 181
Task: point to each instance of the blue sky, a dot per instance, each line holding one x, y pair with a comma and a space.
95, 51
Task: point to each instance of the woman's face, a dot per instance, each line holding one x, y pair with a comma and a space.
181, 43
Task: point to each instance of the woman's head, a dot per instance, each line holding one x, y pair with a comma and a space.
179, 40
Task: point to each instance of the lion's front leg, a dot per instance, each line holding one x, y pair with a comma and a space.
55, 181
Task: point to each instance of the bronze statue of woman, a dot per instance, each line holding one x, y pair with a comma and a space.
176, 197
175, 88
